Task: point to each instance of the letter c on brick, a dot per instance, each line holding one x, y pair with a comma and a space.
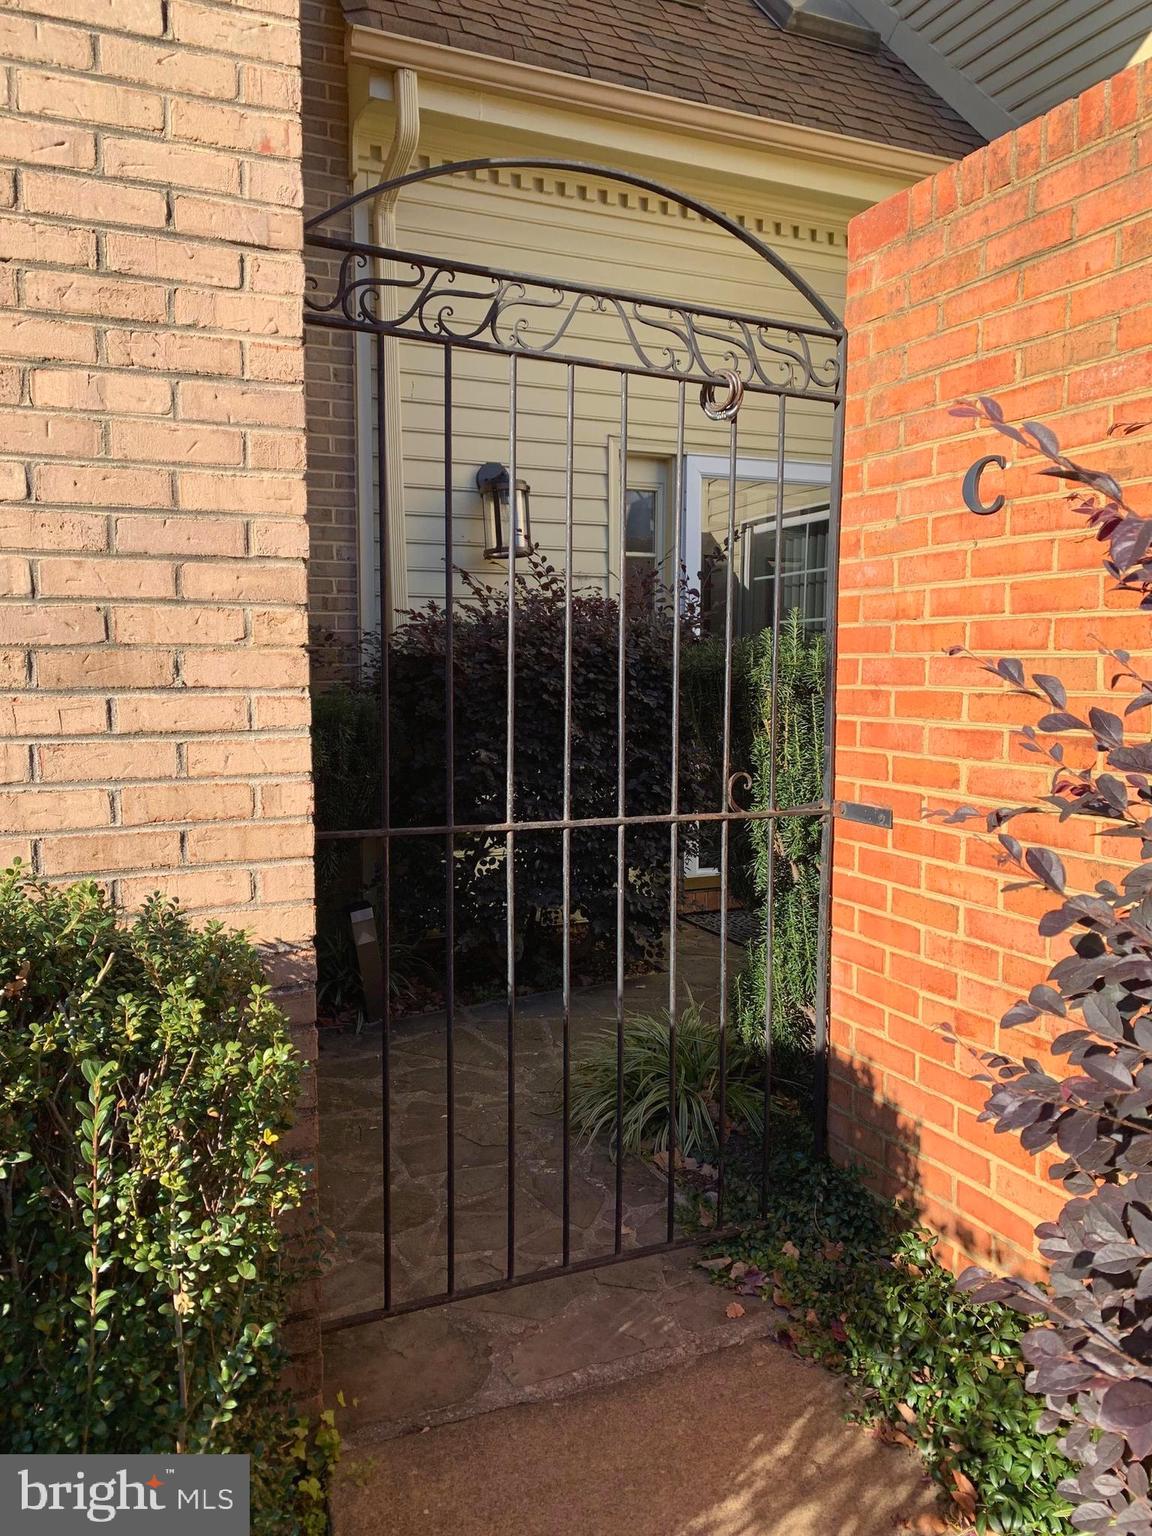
972, 486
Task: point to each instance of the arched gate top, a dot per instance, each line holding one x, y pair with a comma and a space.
645, 184
482, 308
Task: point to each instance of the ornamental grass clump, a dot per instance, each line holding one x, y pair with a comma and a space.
1092, 1357
146, 1078
645, 1085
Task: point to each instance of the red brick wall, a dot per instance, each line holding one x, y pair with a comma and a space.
1021, 272
153, 675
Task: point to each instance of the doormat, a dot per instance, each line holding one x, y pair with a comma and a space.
743, 926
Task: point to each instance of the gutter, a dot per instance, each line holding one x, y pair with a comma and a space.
530, 82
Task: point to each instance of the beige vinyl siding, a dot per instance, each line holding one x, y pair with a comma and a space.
1029, 55
599, 234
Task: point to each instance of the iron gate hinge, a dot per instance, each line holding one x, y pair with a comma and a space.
870, 815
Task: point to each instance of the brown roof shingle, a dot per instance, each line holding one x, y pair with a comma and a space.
723, 52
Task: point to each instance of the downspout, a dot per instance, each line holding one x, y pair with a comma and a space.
389, 464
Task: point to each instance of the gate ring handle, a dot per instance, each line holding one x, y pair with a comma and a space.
725, 411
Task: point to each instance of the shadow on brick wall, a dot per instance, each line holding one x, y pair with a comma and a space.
868, 1131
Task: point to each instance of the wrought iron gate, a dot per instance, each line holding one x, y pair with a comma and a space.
710, 362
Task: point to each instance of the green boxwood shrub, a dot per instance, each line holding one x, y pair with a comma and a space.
145, 1080
795, 875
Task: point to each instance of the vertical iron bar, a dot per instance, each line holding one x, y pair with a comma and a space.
770, 826
725, 827
450, 818
385, 814
569, 473
621, 727
509, 812
827, 840
674, 807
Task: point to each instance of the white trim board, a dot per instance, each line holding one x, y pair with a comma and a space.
699, 467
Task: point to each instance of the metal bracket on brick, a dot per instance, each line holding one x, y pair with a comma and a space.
870, 815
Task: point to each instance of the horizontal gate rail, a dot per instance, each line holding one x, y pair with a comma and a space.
515, 1282
438, 266
634, 370
574, 823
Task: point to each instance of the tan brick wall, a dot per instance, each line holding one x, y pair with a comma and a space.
1021, 273
154, 712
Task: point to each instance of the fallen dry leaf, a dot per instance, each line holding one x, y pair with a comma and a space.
14, 987
890, 1435
738, 1270
907, 1413
964, 1491
790, 1250
928, 1524
733, 1309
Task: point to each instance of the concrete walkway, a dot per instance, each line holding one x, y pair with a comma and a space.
537, 1342
748, 1442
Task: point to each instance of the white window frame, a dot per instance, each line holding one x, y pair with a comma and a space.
699, 467
792, 519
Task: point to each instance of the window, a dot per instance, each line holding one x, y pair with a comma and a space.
802, 569
643, 553
804, 563
648, 532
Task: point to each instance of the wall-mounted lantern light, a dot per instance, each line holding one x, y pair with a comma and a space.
494, 485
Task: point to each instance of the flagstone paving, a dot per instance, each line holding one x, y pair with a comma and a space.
603, 1403
541, 1340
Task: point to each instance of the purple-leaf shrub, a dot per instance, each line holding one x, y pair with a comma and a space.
1092, 1357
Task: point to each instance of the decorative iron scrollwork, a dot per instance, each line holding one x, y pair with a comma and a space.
489, 310
738, 778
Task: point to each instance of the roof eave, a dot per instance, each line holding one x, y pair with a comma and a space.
373, 46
